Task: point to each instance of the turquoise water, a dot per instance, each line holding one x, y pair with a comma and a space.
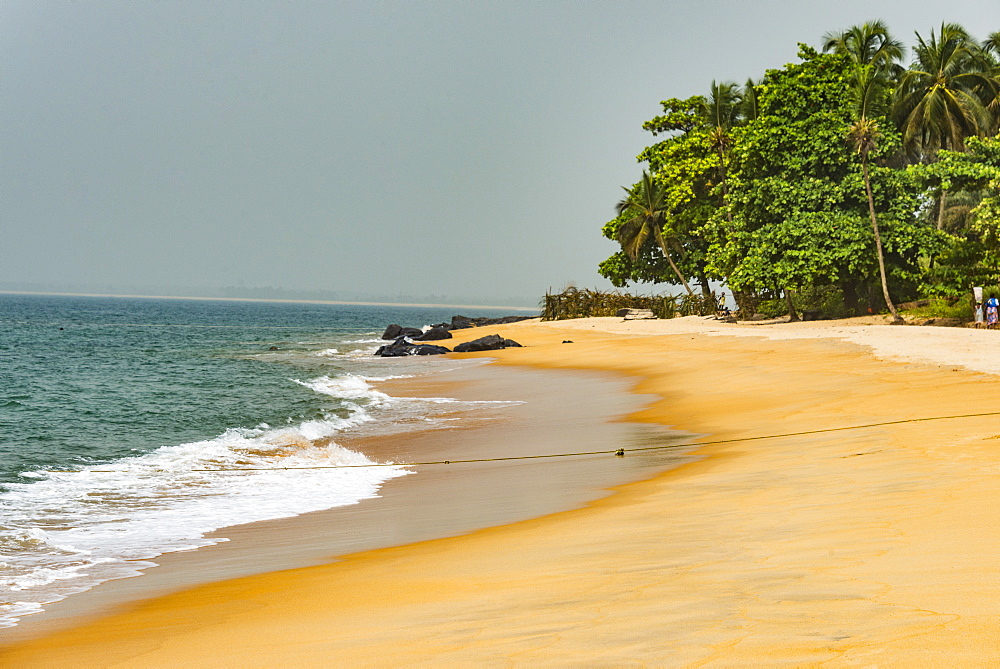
109, 407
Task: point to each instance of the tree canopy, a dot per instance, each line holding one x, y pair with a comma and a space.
835, 172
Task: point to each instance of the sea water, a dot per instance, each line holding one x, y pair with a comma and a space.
134, 427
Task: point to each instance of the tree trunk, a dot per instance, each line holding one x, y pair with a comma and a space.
706, 290
792, 316
725, 190
878, 244
666, 254
680, 276
941, 202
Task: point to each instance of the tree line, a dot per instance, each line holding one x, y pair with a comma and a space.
847, 175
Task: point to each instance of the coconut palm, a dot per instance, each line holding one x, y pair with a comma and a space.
722, 111
942, 99
868, 44
867, 87
991, 54
722, 108
992, 43
749, 104
644, 213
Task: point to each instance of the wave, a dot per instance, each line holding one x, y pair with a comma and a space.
65, 532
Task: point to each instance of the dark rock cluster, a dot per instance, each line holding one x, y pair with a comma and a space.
402, 347
488, 343
402, 338
440, 330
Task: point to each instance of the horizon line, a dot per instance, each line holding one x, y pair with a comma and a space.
266, 299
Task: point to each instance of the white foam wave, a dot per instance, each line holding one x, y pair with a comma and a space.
62, 533
66, 532
351, 386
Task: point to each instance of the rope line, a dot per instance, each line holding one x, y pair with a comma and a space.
616, 451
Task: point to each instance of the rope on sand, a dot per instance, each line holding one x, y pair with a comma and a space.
617, 452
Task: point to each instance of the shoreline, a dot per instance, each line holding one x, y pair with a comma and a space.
866, 546
430, 503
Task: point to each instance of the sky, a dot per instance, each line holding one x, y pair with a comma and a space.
455, 150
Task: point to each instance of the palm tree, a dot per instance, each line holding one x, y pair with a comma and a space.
868, 44
991, 54
942, 99
722, 111
863, 136
992, 43
749, 105
945, 96
645, 214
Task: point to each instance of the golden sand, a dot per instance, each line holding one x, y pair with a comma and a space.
875, 546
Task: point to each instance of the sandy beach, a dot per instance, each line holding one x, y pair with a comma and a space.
873, 546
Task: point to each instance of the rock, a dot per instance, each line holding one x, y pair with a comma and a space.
401, 347
431, 349
457, 323
396, 331
462, 322
434, 334
488, 343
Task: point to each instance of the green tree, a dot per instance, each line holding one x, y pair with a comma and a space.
992, 43
942, 98
868, 44
686, 168
799, 199
722, 111
863, 136
749, 104
643, 216
973, 255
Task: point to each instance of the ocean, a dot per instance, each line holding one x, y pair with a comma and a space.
120, 416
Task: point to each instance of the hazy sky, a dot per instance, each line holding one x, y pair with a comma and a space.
449, 148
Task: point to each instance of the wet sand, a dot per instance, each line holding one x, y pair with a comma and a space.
874, 546
559, 413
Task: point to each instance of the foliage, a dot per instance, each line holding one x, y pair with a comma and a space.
585, 303
685, 168
799, 197
945, 308
942, 99
799, 181
644, 216
972, 255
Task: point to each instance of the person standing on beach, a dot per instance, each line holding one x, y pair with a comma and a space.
992, 307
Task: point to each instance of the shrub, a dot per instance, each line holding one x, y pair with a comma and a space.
584, 303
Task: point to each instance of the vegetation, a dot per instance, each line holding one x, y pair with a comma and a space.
846, 175
577, 303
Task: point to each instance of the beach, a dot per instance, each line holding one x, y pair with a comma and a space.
823, 519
